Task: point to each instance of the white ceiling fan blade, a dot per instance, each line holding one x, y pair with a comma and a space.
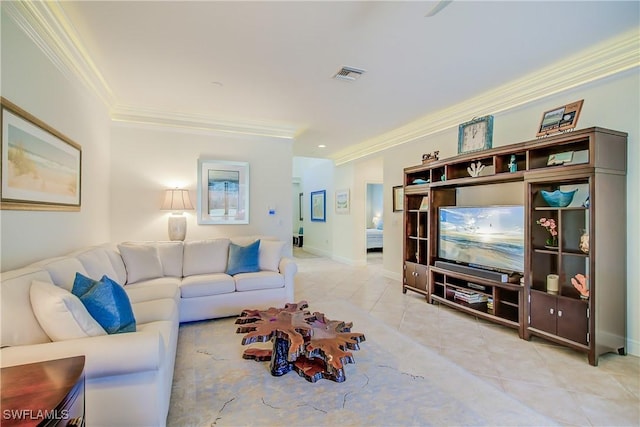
438, 7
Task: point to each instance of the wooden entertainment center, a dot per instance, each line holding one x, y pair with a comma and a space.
591, 238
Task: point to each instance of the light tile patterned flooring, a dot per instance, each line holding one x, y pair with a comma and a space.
553, 380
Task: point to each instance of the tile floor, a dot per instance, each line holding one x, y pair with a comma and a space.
553, 380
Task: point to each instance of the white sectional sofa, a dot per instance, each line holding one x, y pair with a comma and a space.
128, 376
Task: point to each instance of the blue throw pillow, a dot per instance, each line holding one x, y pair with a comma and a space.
107, 302
243, 259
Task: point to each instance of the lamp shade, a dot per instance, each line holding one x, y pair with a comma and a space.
176, 200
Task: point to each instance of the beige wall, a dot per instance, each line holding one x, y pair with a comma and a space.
148, 160
31, 81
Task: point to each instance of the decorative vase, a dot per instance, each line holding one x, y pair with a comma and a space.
584, 241
551, 242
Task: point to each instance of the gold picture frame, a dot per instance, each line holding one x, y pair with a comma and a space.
41, 168
560, 119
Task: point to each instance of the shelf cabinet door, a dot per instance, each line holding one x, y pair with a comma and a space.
416, 275
573, 322
564, 317
542, 312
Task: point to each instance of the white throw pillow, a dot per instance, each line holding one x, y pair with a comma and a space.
205, 256
141, 261
270, 254
61, 314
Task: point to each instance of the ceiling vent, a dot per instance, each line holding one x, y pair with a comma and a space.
348, 74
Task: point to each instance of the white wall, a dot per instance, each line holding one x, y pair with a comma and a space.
32, 82
317, 175
148, 160
610, 103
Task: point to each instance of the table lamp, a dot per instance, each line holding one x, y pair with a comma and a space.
177, 200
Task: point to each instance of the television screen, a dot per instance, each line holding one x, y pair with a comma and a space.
487, 236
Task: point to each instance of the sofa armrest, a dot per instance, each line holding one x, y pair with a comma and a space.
105, 355
288, 268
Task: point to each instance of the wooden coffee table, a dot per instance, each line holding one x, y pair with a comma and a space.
49, 393
310, 344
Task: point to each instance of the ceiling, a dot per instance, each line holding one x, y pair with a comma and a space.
266, 67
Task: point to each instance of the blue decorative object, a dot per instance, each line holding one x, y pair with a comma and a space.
513, 164
244, 259
420, 181
558, 199
107, 302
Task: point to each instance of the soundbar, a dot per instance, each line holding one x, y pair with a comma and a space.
474, 271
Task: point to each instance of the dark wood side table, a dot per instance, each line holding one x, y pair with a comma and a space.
47, 393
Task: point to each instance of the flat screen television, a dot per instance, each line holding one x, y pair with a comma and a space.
489, 237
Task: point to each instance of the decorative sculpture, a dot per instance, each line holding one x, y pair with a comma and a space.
430, 157
580, 283
475, 169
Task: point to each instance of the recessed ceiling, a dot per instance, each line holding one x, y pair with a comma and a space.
271, 63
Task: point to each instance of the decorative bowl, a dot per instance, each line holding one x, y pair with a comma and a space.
558, 199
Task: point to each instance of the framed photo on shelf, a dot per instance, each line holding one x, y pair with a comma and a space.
398, 198
424, 204
41, 168
342, 201
223, 192
319, 206
560, 119
475, 135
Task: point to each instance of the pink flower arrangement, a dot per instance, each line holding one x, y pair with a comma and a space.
550, 226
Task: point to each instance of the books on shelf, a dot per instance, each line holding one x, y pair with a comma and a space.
469, 296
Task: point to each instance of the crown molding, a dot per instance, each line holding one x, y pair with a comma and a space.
605, 59
46, 24
135, 115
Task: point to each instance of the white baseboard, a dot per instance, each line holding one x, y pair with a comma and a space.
633, 347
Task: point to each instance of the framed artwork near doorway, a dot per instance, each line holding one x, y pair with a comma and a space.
319, 206
223, 192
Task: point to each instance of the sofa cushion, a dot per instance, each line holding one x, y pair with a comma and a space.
205, 256
243, 259
153, 311
149, 290
207, 284
171, 254
141, 261
270, 254
19, 326
96, 262
257, 281
107, 302
61, 314
62, 270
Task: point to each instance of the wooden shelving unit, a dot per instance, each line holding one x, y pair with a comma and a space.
597, 168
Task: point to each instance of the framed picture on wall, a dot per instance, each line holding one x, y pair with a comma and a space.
319, 206
300, 201
398, 198
41, 168
223, 192
342, 201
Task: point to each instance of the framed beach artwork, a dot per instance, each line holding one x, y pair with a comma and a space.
223, 192
41, 168
319, 206
342, 201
